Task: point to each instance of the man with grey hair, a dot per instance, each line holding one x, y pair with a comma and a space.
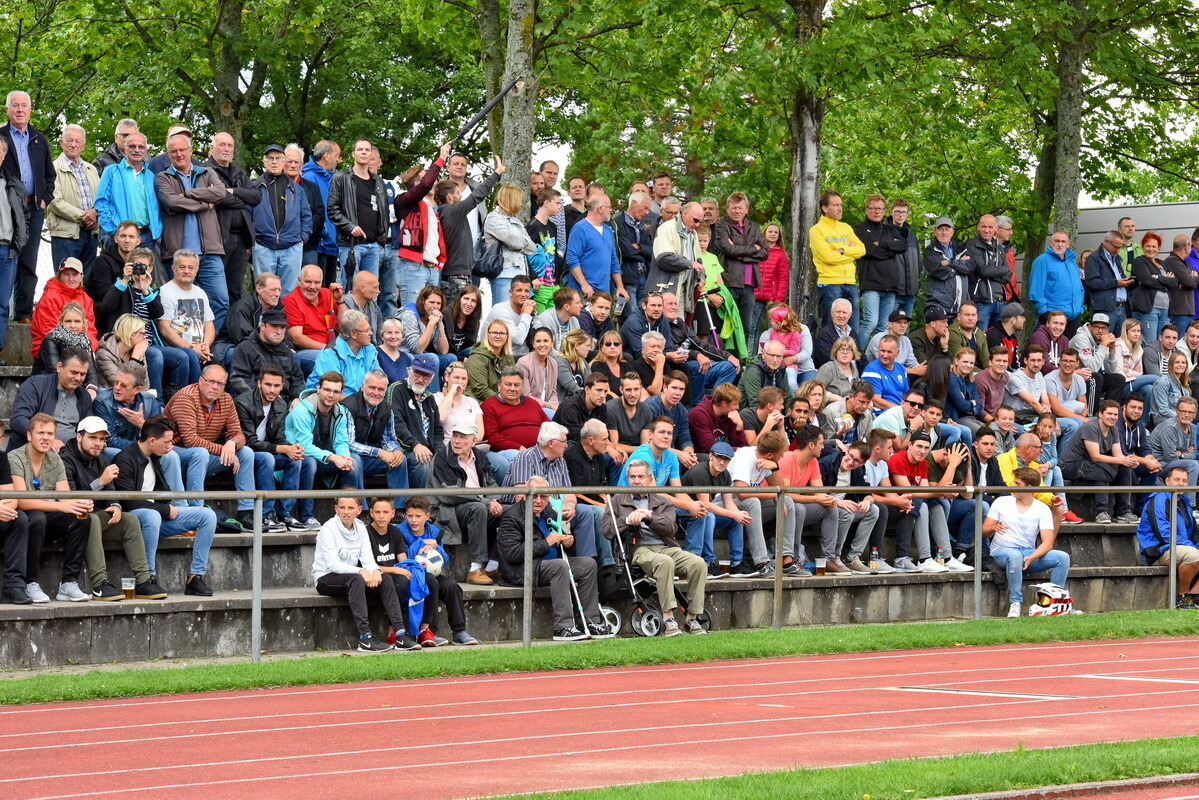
116, 150
319, 169
711, 207
351, 355
293, 166
126, 193
12, 235
373, 434
592, 262
1003, 232
1104, 278
548, 459
418, 421
676, 265
668, 210
635, 233
27, 160
187, 317
460, 465
71, 217
235, 212
282, 221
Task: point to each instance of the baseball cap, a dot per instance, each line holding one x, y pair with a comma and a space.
1012, 310
424, 362
722, 450
71, 263
92, 424
1100, 318
920, 437
935, 314
897, 315
943, 221
179, 127
272, 148
274, 316
464, 428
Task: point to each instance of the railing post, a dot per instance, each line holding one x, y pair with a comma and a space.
978, 554
256, 585
777, 618
1173, 553
526, 616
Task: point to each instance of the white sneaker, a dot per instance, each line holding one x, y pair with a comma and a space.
670, 627
34, 590
931, 565
69, 592
856, 565
953, 565
905, 564
883, 567
1013, 610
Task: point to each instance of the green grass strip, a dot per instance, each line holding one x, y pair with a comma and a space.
735, 644
929, 777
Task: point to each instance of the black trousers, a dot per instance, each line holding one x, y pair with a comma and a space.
444, 590
352, 586
70, 529
236, 257
14, 536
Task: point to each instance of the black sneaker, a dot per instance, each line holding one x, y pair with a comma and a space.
371, 644
272, 525
715, 573
406, 642
600, 630
150, 590
17, 596
571, 634
744, 571
106, 592
293, 524
246, 520
196, 585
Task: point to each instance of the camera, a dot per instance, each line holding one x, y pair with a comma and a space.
139, 269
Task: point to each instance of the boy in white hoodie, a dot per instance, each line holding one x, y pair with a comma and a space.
345, 567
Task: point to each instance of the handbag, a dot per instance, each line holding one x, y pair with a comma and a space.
489, 258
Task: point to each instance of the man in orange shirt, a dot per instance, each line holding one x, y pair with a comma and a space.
801, 467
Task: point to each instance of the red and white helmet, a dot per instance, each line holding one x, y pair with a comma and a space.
1051, 601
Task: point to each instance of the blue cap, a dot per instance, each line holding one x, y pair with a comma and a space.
722, 449
424, 362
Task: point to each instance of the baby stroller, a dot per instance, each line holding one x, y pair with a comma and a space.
559, 525
646, 619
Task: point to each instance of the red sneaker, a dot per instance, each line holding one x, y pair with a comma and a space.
426, 638
1070, 518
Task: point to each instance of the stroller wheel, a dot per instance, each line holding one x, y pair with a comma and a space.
612, 617
705, 620
646, 621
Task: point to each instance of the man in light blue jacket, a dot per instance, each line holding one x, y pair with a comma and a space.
1054, 283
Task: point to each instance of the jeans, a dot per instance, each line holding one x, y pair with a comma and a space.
500, 459
876, 308
397, 476
285, 263
8, 273
1153, 321
1142, 384
718, 372
191, 461
701, 536
1181, 321
1117, 316
211, 278
200, 520
988, 315
500, 289
83, 248
366, 257
26, 273
412, 277
1012, 561
314, 469
243, 480
834, 291
947, 434
307, 360
959, 517
745, 308
389, 284
906, 303
181, 366
265, 466
1068, 425
601, 548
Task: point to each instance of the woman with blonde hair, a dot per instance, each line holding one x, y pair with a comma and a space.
126, 344
69, 333
504, 226
1168, 389
1129, 351
573, 368
488, 359
454, 405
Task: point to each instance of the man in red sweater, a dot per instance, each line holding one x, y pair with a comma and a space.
511, 421
205, 418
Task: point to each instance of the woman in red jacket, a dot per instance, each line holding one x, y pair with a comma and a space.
775, 276
65, 287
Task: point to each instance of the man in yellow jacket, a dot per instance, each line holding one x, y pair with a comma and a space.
835, 248
1028, 446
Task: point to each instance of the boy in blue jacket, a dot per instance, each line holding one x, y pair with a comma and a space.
1153, 534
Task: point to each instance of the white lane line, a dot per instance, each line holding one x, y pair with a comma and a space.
566, 734
1139, 678
560, 676
981, 693
824, 680
559, 753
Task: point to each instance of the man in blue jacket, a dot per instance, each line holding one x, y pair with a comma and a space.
27, 159
326, 155
1104, 276
1153, 536
126, 193
282, 221
1053, 284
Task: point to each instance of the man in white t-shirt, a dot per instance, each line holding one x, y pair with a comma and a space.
187, 317
758, 465
1013, 525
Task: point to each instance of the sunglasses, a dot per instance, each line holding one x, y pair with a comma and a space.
914, 404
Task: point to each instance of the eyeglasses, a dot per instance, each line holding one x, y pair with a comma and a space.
854, 460
611, 344
211, 382
363, 330
914, 404
497, 333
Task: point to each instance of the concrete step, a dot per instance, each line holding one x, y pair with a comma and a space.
298, 619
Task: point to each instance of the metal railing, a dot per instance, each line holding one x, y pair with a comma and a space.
779, 492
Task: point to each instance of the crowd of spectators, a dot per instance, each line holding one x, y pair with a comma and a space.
321, 327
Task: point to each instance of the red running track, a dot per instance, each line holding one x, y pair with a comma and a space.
545, 731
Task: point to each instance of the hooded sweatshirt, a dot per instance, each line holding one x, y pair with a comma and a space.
341, 550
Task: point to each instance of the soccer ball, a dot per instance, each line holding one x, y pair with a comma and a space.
432, 561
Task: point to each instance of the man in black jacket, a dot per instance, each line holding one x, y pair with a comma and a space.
269, 345
12, 234
878, 270
36, 173
373, 439
635, 237
550, 568
466, 516
245, 315
112, 281
863, 511
88, 470
138, 470
43, 394
262, 413
457, 214
982, 256
584, 405
233, 212
350, 190
707, 364
418, 422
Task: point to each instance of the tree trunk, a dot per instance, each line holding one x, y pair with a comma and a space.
520, 119
1067, 172
491, 36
